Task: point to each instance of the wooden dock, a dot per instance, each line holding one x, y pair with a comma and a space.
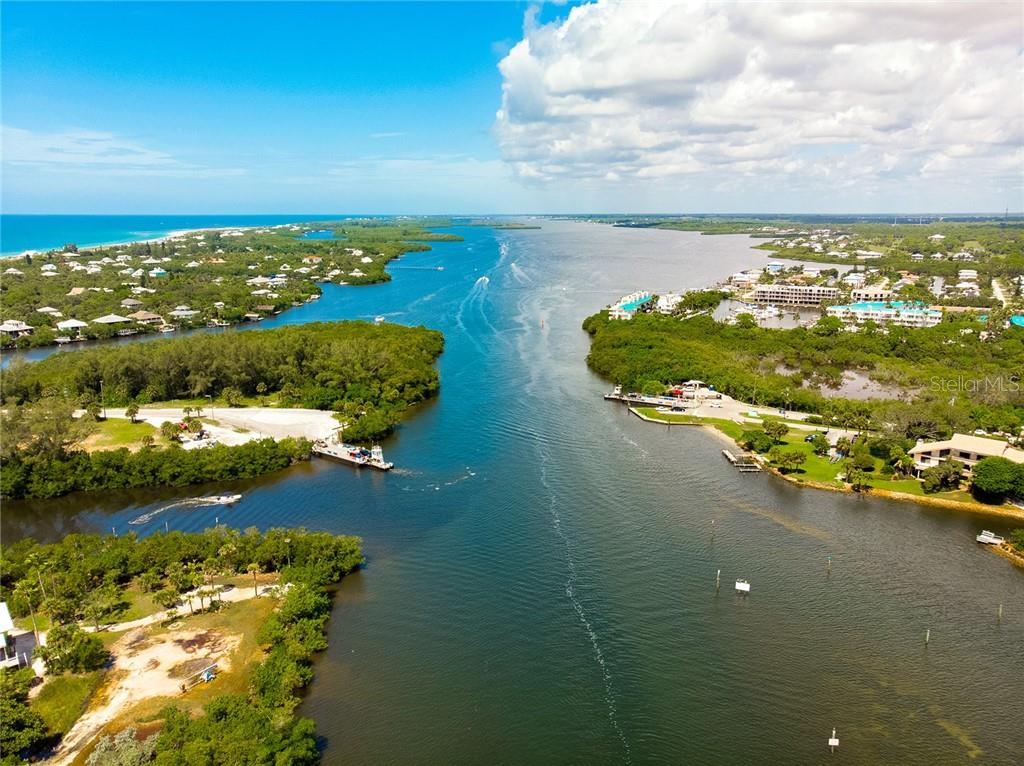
743, 462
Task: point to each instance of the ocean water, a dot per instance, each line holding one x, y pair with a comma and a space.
540, 584
43, 232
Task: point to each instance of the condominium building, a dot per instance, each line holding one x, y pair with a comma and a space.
896, 313
794, 295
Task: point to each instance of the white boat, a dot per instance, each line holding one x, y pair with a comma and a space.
742, 586
222, 499
989, 538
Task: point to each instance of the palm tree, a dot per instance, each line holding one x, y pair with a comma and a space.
253, 569
25, 590
132, 410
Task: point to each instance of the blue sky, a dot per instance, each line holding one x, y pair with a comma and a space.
502, 107
247, 96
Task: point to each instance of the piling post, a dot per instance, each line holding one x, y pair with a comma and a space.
718, 580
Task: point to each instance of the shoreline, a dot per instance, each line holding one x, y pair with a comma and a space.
123, 243
1009, 511
1007, 552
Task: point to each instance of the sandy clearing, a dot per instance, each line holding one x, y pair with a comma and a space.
143, 668
257, 422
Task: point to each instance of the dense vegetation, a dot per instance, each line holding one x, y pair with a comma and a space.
209, 271
369, 372
27, 474
82, 576
953, 380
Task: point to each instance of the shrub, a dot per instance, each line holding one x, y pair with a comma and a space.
69, 649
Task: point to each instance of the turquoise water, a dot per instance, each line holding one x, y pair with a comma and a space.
42, 232
540, 585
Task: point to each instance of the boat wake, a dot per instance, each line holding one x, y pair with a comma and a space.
192, 502
520, 276
475, 296
436, 487
581, 612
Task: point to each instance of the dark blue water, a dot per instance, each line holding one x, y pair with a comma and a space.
540, 584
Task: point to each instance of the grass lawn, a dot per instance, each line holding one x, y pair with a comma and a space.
816, 467
116, 433
63, 698
728, 427
25, 623
907, 486
139, 605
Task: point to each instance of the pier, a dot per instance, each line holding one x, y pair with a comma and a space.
743, 462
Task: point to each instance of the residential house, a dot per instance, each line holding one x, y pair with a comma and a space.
965, 448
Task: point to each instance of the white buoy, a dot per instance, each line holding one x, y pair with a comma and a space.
742, 586
833, 741
927, 636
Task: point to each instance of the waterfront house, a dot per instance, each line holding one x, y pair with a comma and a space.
965, 448
667, 303
146, 317
183, 312
8, 648
111, 319
15, 328
72, 324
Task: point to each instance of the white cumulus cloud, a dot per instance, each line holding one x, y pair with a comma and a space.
808, 96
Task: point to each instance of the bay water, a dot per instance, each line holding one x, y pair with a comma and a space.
540, 578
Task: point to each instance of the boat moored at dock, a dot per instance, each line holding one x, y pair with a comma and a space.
352, 454
989, 538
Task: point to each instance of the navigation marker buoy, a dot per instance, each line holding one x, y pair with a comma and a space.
718, 580
833, 741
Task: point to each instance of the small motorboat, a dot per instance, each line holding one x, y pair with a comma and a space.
988, 538
222, 499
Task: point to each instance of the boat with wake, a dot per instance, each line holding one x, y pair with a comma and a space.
229, 499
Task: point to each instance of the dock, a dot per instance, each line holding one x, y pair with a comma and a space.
744, 463
353, 455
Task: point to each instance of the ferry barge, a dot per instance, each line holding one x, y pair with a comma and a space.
353, 455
